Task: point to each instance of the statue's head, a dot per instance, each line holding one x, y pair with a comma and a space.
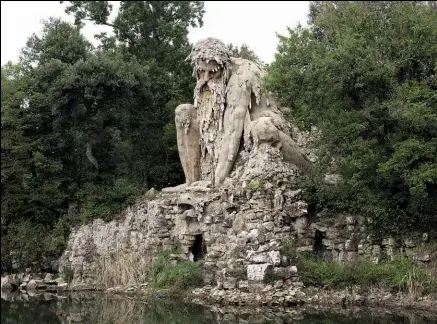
209, 59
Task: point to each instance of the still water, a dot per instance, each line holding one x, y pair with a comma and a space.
99, 308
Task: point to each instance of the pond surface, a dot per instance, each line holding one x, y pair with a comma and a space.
91, 308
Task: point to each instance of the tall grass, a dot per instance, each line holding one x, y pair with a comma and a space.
129, 269
122, 268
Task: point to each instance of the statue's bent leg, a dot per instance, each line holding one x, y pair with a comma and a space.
293, 153
187, 131
265, 131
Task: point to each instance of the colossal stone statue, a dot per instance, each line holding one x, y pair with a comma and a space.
230, 114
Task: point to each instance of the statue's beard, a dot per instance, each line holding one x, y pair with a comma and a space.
215, 86
209, 99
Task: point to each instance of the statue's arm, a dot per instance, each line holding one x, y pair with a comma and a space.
238, 101
233, 126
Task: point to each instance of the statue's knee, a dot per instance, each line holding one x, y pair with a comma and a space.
183, 113
265, 130
183, 109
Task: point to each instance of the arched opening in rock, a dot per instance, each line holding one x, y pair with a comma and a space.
198, 249
184, 207
319, 248
231, 209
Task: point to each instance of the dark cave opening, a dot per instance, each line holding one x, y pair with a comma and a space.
319, 248
199, 248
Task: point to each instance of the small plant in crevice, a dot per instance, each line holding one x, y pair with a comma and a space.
256, 185
288, 250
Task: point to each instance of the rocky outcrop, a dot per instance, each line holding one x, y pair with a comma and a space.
32, 282
238, 229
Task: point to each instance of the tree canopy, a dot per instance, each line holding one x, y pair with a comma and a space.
364, 73
86, 130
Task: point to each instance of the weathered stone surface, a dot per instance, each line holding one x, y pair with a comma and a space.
243, 204
223, 115
6, 284
229, 283
32, 285
258, 272
27, 277
48, 277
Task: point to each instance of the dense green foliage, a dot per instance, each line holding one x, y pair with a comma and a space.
244, 51
364, 73
85, 130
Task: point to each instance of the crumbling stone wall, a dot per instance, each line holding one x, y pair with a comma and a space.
244, 228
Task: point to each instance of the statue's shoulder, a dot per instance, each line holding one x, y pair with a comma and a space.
246, 71
243, 66
245, 78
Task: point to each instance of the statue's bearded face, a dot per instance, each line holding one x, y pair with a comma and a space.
211, 85
208, 73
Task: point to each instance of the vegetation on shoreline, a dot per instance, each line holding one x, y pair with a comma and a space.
176, 276
398, 275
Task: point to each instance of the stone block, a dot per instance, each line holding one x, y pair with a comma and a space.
298, 209
292, 270
350, 220
376, 250
308, 248
350, 245
351, 256
269, 226
278, 284
258, 272
229, 283
280, 273
275, 257
48, 277
409, 243
258, 257
301, 225
6, 284
243, 284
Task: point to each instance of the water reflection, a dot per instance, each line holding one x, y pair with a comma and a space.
90, 308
